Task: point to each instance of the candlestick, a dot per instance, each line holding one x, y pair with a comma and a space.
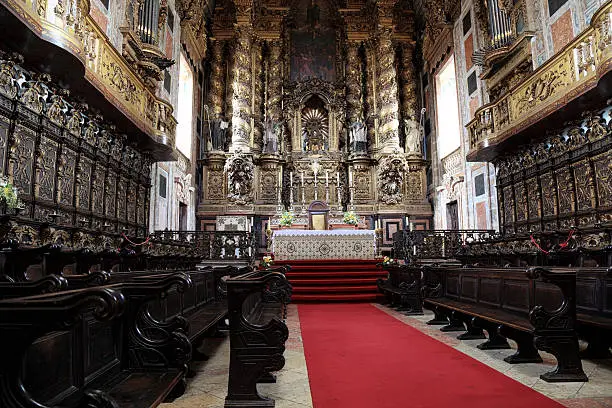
302, 173
315, 179
350, 177
326, 178
280, 177
291, 179
338, 178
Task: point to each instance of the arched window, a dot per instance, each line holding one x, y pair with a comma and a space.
447, 109
184, 128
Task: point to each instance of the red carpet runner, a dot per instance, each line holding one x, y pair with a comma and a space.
360, 357
333, 280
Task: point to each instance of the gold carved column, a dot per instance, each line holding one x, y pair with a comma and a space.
388, 105
242, 89
275, 84
216, 81
258, 90
354, 96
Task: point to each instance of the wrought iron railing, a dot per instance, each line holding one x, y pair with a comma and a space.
212, 245
435, 244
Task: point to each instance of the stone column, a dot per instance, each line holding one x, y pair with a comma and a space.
388, 105
242, 91
215, 98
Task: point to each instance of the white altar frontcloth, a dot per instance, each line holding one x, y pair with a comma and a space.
290, 244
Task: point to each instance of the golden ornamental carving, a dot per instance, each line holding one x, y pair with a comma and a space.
573, 71
387, 93
70, 25
242, 90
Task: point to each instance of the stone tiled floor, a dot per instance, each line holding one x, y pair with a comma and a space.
292, 389
209, 387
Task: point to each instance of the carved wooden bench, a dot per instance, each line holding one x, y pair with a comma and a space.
257, 334
402, 288
93, 339
535, 308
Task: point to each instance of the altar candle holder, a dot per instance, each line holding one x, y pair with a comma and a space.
303, 210
279, 204
352, 196
327, 193
339, 191
291, 198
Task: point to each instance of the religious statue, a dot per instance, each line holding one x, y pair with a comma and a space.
272, 135
358, 137
220, 127
314, 131
413, 135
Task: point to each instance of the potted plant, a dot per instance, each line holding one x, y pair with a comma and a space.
286, 219
350, 218
8, 196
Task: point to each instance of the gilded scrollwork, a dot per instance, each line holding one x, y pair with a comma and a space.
390, 178
242, 90
387, 93
239, 169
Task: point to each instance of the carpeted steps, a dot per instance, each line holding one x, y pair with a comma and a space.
337, 280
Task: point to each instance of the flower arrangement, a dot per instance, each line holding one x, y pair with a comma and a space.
286, 219
350, 218
389, 261
8, 194
267, 261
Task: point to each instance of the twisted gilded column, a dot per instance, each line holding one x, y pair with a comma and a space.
275, 84
216, 81
242, 91
408, 80
354, 97
258, 89
388, 105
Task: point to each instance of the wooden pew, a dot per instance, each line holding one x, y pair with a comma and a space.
135, 360
257, 334
536, 308
47, 284
30, 320
402, 288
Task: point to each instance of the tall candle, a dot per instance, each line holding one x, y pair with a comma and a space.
315, 178
291, 178
350, 177
338, 179
326, 178
302, 178
280, 177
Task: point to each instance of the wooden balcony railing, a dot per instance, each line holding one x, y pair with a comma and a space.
571, 73
435, 244
68, 24
212, 245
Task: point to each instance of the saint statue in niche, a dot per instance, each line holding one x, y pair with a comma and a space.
413, 135
358, 137
272, 135
219, 129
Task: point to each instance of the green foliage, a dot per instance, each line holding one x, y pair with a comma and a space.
350, 218
287, 219
8, 195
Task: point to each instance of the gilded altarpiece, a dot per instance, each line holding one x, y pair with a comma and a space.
332, 112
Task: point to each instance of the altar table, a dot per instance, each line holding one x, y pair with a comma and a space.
324, 244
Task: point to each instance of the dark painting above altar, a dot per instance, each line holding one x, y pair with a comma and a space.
313, 43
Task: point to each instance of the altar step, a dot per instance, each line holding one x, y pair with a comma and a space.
334, 280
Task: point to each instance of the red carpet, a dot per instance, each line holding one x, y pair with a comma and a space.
360, 357
334, 280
